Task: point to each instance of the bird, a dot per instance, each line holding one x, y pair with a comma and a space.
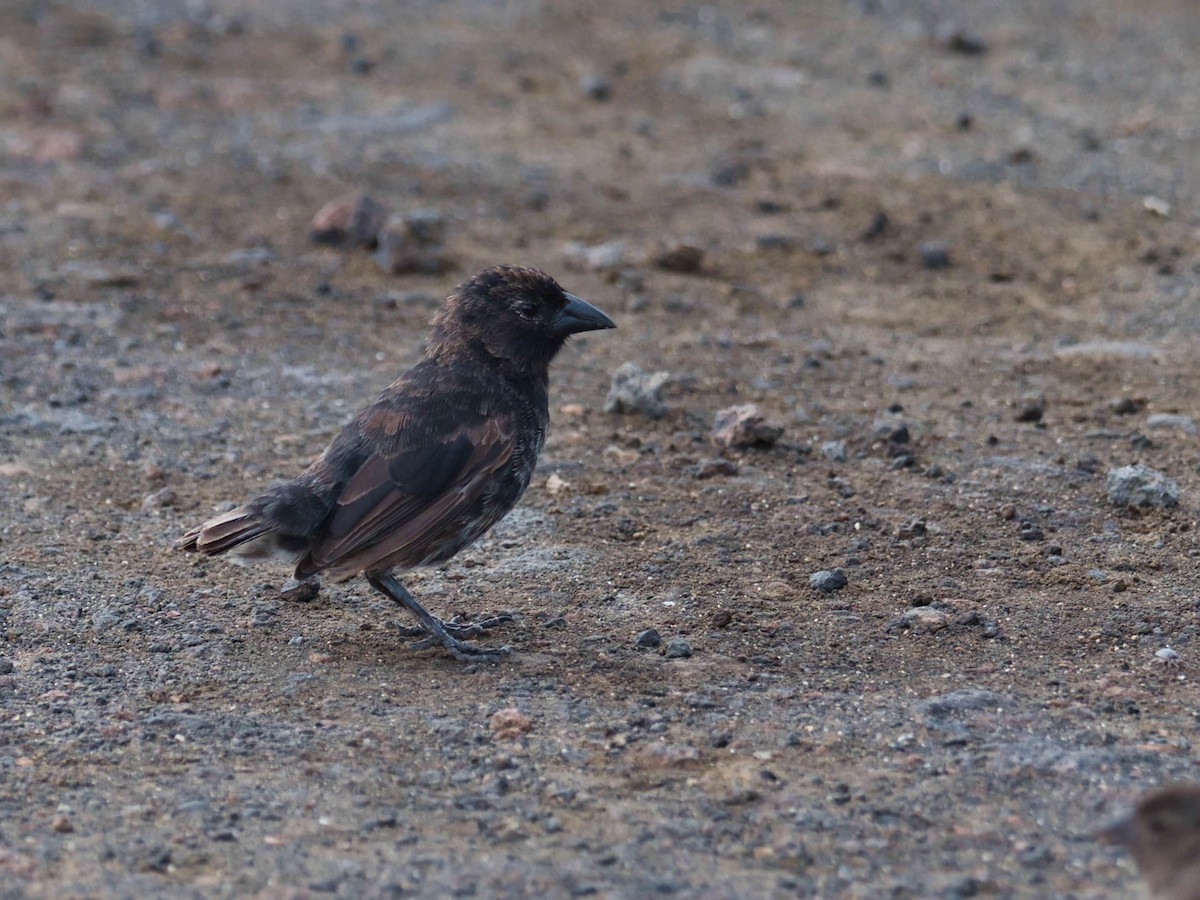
1163, 835
432, 463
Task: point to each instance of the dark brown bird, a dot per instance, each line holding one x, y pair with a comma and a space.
434, 462
1163, 834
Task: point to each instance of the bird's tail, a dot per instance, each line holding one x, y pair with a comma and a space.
226, 531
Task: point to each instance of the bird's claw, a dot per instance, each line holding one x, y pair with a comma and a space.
453, 632
456, 628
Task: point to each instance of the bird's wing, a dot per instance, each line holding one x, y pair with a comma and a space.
405, 493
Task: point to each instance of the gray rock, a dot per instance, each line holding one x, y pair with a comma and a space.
934, 254
635, 392
6, 665
1166, 654
412, 243
648, 638
678, 648
163, 498
828, 581
596, 86
1141, 485
1173, 422
609, 255
105, 617
834, 451
955, 704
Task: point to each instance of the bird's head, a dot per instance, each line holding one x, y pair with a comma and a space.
519, 316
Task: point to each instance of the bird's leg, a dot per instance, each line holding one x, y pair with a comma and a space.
437, 631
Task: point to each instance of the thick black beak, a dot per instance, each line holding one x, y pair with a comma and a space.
579, 315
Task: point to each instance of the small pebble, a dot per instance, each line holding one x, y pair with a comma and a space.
708, 468
928, 618
951, 36
1157, 206
820, 246
1030, 531
775, 241
596, 86
163, 498
729, 172
63, 825
1031, 409
1126, 406
1167, 655
680, 257
934, 254
879, 224
828, 581
510, 723
349, 221
678, 648
834, 451
300, 591
648, 638
6, 665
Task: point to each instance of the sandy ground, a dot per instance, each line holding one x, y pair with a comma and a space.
951, 253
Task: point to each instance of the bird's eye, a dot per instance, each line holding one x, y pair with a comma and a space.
526, 309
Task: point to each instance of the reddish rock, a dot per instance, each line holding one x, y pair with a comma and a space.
510, 723
349, 222
744, 426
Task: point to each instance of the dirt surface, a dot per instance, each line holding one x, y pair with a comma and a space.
955, 261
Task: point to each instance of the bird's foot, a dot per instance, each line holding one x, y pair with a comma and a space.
451, 634
461, 649
457, 628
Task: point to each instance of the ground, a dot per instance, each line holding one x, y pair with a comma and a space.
951, 253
